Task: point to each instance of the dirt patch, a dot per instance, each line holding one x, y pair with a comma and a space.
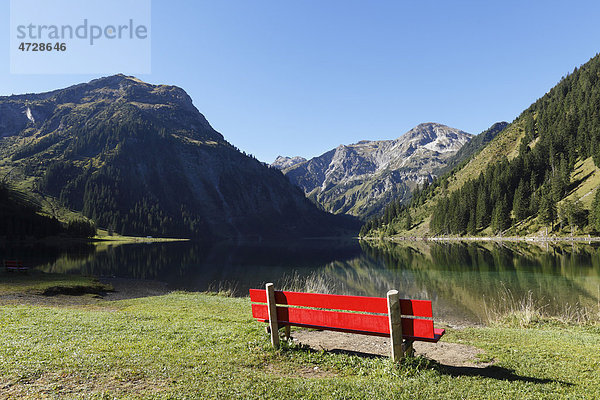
122, 289
74, 290
133, 288
451, 354
66, 385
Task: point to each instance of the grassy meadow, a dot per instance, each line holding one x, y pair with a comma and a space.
192, 345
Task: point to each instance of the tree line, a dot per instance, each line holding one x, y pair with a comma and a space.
20, 218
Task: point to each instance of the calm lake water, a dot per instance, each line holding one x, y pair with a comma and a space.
462, 280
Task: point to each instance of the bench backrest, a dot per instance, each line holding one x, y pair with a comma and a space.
12, 264
356, 314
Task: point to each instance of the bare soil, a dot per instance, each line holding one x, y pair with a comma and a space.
122, 289
450, 354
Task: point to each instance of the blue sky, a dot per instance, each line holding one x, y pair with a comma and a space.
302, 77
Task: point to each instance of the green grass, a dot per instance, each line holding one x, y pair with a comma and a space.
504, 144
586, 179
201, 346
37, 283
115, 239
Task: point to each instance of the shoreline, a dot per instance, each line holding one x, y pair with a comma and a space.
96, 240
526, 239
134, 239
130, 288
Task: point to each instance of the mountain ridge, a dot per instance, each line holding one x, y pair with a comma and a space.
361, 178
142, 160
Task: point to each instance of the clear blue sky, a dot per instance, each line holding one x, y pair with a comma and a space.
302, 77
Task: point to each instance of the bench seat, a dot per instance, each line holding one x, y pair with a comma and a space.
437, 333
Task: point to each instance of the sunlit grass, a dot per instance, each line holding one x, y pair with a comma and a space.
186, 345
113, 239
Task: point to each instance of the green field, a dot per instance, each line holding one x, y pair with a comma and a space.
187, 345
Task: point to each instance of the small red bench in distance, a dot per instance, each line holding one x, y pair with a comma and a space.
10, 265
403, 321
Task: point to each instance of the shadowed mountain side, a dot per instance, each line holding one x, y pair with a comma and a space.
140, 159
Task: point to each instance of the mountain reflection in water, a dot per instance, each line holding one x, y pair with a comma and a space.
462, 279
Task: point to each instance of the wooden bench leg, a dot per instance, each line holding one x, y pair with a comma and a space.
395, 318
271, 305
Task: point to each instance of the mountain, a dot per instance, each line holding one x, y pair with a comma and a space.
286, 162
140, 159
538, 175
472, 147
360, 179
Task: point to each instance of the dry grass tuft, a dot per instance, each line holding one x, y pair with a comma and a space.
313, 283
525, 311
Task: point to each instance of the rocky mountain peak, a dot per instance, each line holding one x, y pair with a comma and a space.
282, 162
361, 178
436, 137
111, 97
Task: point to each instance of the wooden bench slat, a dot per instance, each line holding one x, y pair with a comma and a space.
330, 301
438, 333
14, 265
417, 308
419, 328
366, 324
331, 319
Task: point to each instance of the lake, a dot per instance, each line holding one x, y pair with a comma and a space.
464, 280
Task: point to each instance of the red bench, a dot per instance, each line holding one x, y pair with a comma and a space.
11, 265
403, 321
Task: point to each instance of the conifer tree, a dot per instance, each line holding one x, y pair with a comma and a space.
547, 212
471, 226
407, 220
482, 212
572, 214
500, 216
520, 202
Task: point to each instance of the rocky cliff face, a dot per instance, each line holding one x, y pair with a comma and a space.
360, 179
287, 162
141, 159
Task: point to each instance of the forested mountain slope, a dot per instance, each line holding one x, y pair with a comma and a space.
539, 173
140, 159
472, 147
